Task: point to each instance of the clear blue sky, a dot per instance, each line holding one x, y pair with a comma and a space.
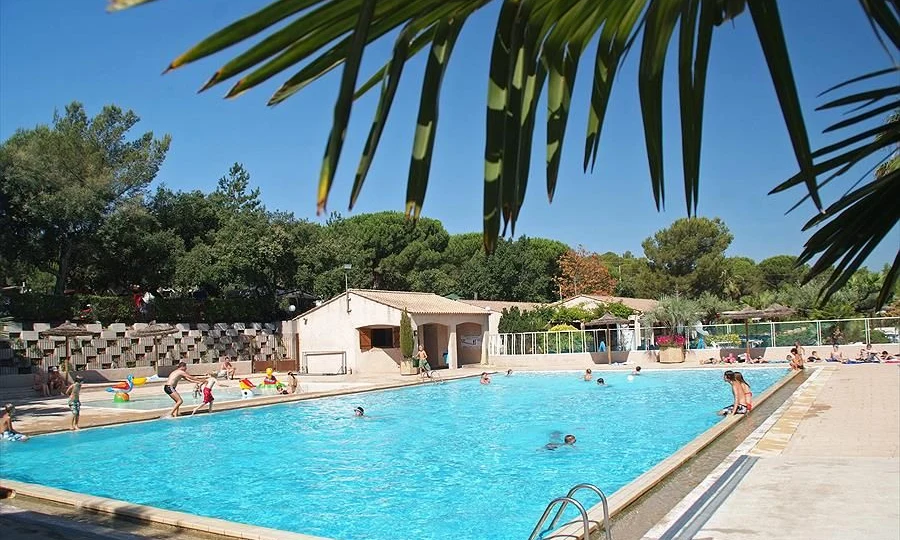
56, 51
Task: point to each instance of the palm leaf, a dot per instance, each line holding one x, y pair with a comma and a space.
388, 91
768, 28
662, 15
426, 124
118, 5
415, 46
539, 43
293, 43
614, 41
498, 80
858, 223
344, 103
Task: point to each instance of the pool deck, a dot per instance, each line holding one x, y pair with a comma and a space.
827, 466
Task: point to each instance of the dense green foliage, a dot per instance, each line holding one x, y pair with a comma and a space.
86, 221
406, 336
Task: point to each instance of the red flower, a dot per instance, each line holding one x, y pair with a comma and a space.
670, 341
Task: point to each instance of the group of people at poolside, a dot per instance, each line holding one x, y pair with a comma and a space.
797, 357
51, 384
204, 387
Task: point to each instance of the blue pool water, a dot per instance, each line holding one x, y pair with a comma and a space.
458, 460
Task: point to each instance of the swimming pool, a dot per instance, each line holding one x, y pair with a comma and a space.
458, 460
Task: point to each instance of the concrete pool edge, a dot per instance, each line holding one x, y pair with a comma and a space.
637, 488
151, 514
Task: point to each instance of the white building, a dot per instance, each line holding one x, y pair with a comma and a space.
359, 331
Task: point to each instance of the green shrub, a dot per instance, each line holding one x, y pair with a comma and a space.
406, 337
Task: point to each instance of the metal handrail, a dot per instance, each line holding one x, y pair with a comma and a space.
570, 495
565, 500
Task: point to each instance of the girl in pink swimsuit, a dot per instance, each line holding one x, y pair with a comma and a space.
748, 394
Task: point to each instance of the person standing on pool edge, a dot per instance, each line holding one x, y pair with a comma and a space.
172, 383
74, 393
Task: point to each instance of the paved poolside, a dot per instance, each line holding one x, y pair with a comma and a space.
828, 467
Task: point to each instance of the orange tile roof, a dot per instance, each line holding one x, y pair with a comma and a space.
419, 302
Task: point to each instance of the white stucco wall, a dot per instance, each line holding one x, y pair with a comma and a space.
332, 328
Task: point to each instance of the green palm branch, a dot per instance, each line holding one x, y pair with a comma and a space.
539, 44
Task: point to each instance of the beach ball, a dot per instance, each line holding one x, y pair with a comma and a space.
246, 394
121, 397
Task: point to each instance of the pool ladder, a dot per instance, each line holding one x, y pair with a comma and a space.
570, 499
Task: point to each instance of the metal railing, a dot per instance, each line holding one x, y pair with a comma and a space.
862, 331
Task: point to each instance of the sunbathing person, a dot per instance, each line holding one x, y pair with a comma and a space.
56, 382
836, 354
40, 384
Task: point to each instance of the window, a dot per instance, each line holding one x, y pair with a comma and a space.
383, 338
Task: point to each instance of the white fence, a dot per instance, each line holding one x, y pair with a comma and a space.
863, 331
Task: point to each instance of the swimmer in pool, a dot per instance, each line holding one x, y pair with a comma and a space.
568, 440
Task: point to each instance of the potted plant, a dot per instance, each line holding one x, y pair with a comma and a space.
673, 314
671, 348
407, 365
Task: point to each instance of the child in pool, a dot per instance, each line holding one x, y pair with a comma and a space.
207, 393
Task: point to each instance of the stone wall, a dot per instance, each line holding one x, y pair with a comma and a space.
113, 348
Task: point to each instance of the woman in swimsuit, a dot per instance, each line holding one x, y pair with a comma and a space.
748, 394
739, 405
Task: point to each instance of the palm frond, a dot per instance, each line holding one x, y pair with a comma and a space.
538, 44
863, 217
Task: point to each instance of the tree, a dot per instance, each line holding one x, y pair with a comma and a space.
742, 278
673, 313
131, 248
583, 272
780, 270
688, 256
521, 270
543, 43
406, 337
60, 182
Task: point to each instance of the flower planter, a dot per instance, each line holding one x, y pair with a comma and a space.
671, 355
408, 367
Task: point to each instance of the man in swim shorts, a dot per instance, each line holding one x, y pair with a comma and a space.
171, 385
7, 431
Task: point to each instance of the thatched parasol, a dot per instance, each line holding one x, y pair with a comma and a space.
607, 320
154, 330
68, 330
772, 312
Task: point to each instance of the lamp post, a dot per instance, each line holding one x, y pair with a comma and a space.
347, 268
